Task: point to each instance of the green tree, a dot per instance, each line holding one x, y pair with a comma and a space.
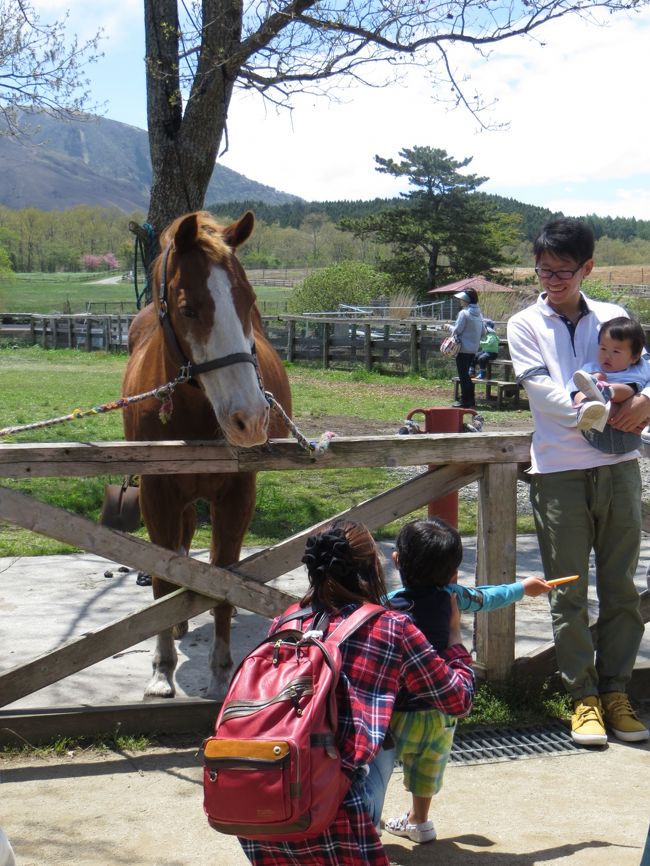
354, 283
443, 231
5, 264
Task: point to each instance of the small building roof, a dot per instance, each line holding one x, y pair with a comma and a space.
479, 284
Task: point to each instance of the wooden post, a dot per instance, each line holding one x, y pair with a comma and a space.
326, 345
385, 348
367, 347
496, 563
291, 340
70, 332
353, 342
32, 331
423, 347
88, 334
414, 349
44, 334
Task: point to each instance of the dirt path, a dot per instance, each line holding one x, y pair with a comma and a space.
586, 808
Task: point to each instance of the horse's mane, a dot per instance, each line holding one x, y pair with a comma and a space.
209, 237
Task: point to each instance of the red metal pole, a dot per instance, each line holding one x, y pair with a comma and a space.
443, 420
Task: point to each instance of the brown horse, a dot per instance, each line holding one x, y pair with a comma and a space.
204, 322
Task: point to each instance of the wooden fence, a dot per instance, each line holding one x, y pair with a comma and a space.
408, 345
89, 332
492, 460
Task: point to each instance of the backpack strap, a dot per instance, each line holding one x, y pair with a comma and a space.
356, 619
292, 613
343, 630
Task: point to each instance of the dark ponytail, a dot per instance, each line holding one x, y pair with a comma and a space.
343, 566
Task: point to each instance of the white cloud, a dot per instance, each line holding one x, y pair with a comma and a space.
572, 106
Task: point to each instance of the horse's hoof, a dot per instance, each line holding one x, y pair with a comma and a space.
160, 687
180, 630
219, 686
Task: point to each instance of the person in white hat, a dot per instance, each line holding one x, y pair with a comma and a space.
468, 328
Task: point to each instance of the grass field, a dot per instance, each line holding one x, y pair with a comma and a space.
39, 384
70, 293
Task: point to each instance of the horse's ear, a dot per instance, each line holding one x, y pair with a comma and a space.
186, 233
235, 234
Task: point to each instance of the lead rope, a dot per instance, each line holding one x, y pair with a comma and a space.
312, 446
164, 394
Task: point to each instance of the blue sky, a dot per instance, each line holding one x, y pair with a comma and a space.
577, 139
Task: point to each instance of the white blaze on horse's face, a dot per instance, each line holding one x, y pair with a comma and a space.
234, 391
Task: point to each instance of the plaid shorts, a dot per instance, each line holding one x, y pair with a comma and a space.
423, 741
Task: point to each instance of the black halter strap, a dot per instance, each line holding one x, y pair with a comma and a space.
189, 368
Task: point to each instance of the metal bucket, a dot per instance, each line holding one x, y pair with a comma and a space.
121, 508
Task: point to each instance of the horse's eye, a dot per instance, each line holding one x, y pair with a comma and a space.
189, 312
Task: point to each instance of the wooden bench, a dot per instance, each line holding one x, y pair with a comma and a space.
504, 390
501, 369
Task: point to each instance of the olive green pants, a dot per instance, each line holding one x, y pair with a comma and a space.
576, 512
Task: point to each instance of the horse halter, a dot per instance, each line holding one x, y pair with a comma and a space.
188, 369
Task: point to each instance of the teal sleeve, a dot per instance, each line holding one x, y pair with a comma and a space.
487, 597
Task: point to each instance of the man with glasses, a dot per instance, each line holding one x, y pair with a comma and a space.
583, 499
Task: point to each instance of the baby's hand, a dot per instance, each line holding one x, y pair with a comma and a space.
535, 586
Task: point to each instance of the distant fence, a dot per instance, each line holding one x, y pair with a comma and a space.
78, 331
288, 277
403, 345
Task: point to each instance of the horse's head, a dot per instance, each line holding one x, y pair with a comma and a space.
206, 307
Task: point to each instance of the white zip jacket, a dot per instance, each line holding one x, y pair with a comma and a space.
545, 355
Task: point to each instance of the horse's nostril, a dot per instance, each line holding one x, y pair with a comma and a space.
238, 421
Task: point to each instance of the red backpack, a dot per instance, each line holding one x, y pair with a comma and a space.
272, 770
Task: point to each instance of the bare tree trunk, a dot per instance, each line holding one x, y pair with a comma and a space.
184, 145
432, 269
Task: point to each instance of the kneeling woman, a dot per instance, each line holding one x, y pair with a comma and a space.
383, 656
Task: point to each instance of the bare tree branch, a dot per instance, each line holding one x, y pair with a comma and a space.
40, 68
281, 48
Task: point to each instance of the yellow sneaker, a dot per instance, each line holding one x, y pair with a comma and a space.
622, 719
587, 726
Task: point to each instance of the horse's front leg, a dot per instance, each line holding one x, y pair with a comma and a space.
230, 512
165, 529
220, 656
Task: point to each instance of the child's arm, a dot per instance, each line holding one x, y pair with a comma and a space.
454, 623
496, 596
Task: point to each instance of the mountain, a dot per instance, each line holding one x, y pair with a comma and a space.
97, 162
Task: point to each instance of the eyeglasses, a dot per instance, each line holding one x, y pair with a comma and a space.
547, 273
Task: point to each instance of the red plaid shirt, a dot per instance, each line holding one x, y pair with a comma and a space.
383, 656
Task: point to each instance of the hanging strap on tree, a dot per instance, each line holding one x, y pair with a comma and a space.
146, 250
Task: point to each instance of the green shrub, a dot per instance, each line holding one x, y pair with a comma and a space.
349, 282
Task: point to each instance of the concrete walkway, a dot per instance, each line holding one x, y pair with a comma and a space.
587, 808
46, 601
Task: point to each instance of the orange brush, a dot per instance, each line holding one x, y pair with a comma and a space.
557, 581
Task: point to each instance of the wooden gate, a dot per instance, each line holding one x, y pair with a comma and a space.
490, 459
